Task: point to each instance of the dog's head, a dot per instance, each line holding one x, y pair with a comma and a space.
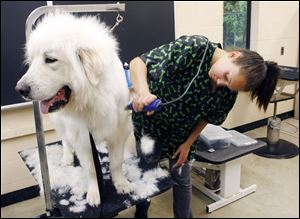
66, 56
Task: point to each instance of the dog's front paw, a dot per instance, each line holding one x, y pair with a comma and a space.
123, 186
67, 159
93, 196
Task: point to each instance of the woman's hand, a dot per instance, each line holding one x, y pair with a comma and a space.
143, 99
184, 149
183, 152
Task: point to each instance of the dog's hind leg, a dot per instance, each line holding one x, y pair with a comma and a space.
116, 158
130, 145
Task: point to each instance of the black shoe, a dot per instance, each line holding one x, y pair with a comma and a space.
142, 209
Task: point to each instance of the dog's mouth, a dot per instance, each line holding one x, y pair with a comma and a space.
59, 100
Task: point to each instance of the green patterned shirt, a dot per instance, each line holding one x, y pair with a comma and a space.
170, 69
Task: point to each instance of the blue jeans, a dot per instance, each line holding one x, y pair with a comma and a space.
182, 189
182, 193
181, 177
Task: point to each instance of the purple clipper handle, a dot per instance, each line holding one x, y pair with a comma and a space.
154, 106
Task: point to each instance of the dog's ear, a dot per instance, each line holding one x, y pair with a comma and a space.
91, 65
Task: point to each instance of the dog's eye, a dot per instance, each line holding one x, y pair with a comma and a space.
50, 60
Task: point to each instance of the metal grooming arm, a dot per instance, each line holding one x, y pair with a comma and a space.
70, 8
32, 18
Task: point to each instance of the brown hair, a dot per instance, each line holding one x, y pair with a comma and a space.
261, 76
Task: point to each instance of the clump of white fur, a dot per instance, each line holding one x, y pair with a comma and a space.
147, 145
70, 179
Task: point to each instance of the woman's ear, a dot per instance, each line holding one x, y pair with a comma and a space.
234, 54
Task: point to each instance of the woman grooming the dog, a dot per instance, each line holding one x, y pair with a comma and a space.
166, 72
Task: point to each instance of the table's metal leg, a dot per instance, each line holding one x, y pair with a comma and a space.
42, 157
230, 177
230, 189
276, 148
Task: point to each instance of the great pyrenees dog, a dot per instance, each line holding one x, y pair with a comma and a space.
75, 72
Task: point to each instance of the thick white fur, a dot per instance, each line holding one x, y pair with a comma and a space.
88, 63
147, 145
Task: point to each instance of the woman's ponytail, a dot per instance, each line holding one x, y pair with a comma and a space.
261, 76
265, 89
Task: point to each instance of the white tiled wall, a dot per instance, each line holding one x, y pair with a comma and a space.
276, 25
14, 173
201, 18
273, 25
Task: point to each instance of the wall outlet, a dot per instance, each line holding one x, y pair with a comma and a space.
282, 50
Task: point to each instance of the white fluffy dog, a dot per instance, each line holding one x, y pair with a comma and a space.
74, 70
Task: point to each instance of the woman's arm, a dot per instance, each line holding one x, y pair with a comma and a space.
196, 131
184, 149
138, 73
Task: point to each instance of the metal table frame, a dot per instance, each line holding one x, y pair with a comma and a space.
228, 162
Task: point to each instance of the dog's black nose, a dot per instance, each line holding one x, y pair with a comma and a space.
24, 90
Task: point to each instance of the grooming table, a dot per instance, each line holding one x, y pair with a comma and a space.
228, 161
71, 202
